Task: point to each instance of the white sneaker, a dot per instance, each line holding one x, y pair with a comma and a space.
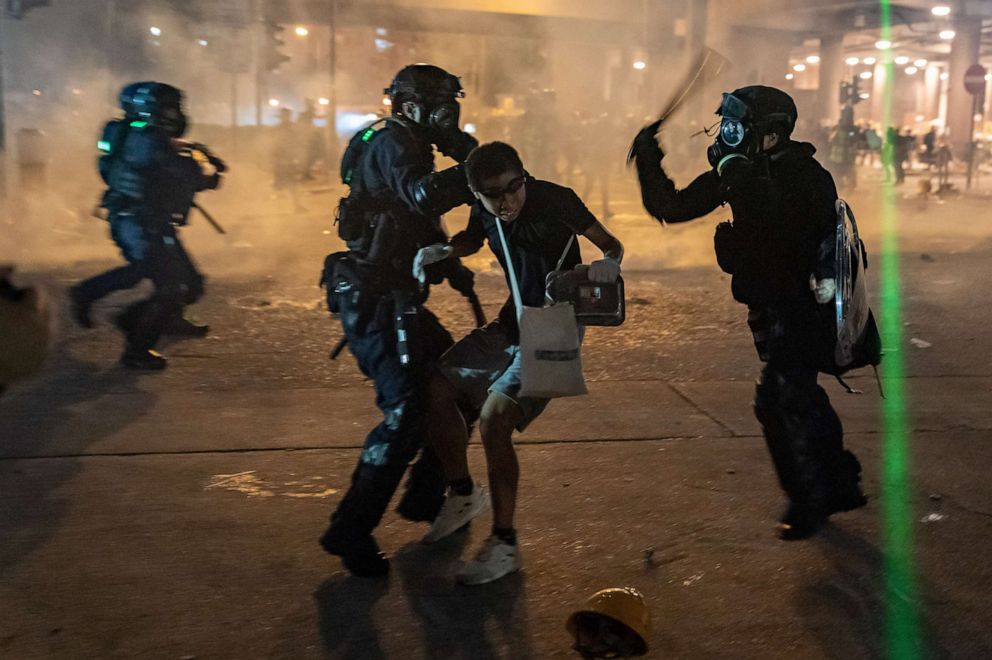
456, 512
496, 559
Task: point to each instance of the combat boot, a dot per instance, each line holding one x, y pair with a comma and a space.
360, 555
182, 327
143, 360
800, 521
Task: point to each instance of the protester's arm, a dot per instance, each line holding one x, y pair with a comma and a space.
606, 269
470, 240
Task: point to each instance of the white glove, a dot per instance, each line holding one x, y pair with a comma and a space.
823, 290
427, 256
604, 270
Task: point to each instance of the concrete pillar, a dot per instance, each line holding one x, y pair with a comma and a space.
960, 104
832, 69
931, 96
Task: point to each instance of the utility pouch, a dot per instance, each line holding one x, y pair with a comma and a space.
350, 219
336, 278
727, 247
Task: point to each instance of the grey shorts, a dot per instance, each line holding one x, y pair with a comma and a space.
483, 363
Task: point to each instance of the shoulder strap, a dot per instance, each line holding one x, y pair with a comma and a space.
514, 287
564, 254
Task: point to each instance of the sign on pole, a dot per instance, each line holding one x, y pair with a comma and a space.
974, 80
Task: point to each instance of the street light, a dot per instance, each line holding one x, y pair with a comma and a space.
812, 59
274, 103
640, 65
156, 31
883, 44
947, 35
301, 31
852, 61
870, 61
323, 100
911, 70
799, 68
920, 63
865, 75
902, 59
789, 76
940, 10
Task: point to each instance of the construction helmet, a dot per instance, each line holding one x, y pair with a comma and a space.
614, 623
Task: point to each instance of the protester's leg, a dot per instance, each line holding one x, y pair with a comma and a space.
500, 416
447, 429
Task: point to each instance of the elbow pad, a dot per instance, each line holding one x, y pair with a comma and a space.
442, 191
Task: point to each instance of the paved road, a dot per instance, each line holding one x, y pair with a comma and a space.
175, 515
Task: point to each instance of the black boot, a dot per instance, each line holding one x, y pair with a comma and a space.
147, 360
845, 494
80, 305
800, 521
361, 555
182, 327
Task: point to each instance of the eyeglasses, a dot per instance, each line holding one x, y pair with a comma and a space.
513, 186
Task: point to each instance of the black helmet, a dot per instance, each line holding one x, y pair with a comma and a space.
161, 105
126, 97
770, 109
433, 93
423, 81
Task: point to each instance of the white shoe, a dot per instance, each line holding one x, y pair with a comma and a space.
496, 559
457, 511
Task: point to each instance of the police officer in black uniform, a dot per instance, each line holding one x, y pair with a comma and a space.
783, 204
391, 219
152, 177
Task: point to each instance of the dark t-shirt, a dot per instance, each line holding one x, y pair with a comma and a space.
537, 238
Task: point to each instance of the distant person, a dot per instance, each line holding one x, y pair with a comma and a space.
930, 147
313, 150
783, 204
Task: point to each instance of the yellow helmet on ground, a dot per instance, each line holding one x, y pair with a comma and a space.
615, 623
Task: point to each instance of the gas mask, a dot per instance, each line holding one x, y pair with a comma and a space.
738, 134
437, 115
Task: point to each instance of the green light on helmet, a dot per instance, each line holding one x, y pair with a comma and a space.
103, 146
138, 124
367, 135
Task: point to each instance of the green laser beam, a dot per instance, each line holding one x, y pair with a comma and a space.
902, 631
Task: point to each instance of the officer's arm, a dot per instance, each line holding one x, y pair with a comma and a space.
410, 175
666, 203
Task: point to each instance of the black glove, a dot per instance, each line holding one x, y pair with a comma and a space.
456, 144
645, 147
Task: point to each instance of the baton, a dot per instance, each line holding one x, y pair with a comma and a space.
210, 218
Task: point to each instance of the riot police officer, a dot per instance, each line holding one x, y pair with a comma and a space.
783, 204
152, 177
391, 218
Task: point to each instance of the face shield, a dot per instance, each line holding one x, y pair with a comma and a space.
733, 131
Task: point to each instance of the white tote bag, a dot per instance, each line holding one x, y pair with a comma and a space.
550, 358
